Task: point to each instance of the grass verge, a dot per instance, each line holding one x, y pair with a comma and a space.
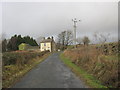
87, 78
26, 68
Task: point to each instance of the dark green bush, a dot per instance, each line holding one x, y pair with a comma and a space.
20, 58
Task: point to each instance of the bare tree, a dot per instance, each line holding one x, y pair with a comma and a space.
68, 38
4, 45
101, 38
65, 39
95, 35
39, 39
79, 40
12, 44
104, 37
86, 40
3, 42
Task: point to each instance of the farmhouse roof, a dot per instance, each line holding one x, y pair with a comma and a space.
23, 44
46, 40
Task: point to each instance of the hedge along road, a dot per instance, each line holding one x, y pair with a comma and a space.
51, 73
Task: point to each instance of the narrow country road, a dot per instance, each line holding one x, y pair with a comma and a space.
51, 73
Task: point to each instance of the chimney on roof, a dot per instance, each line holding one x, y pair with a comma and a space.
52, 37
48, 38
43, 38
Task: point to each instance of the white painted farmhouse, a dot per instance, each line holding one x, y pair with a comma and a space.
48, 44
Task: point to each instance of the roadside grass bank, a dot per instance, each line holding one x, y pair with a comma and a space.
17, 64
89, 80
98, 60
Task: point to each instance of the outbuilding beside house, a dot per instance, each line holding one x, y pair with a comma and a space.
24, 46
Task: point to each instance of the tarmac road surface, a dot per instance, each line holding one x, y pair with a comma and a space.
51, 73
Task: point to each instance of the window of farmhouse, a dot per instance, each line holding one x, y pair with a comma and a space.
44, 44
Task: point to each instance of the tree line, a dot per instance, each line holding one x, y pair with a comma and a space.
15, 41
65, 38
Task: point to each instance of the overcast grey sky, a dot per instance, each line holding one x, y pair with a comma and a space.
50, 18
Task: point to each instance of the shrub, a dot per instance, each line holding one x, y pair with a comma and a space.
19, 58
16, 64
103, 66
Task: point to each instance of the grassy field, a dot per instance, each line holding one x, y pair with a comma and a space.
89, 80
14, 67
